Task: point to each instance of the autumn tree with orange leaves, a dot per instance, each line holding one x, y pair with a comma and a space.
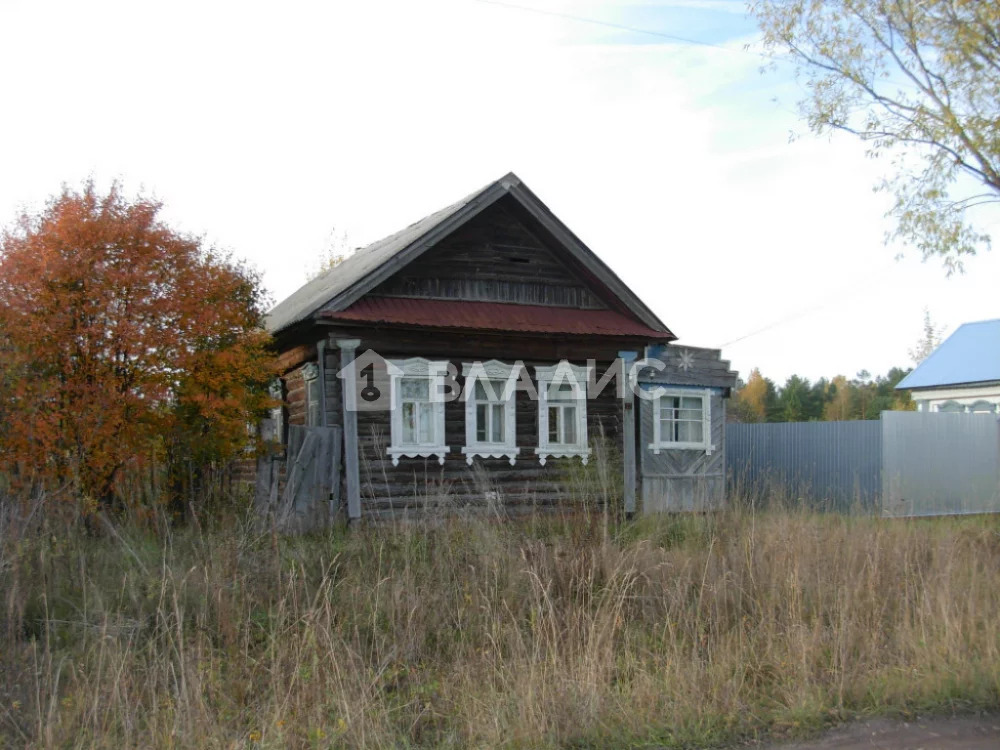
122, 341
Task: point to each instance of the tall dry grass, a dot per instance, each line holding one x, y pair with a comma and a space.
681, 632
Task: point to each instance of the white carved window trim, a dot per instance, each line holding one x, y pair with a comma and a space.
311, 383
577, 376
952, 406
982, 406
491, 371
706, 445
276, 390
434, 372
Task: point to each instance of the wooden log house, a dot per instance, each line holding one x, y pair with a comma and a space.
494, 298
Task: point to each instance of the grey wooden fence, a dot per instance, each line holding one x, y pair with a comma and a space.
906, 464
302, 488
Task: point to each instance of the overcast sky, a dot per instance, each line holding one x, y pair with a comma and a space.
270, 127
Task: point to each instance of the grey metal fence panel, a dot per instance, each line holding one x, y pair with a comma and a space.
936, 464
828, 465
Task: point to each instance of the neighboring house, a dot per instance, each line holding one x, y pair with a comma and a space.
962, 374
500, 291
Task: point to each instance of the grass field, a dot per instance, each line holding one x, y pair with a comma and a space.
576, 632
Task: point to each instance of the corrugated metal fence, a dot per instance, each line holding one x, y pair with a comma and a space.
830, 465
935, 464
905, 464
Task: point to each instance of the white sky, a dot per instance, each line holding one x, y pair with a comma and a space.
267, 126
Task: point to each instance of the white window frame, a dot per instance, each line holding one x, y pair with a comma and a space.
314, 402
435, 372
578, 377
705, 394
276, 390
491, 371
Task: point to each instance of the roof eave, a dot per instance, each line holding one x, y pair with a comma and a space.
632, 337
901, 386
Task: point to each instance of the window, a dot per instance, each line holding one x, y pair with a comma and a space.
490, 427
562, 412
951, 406
417, 409
276, 391
682, 420
310, 376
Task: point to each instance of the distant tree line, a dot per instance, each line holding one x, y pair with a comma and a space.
759, 399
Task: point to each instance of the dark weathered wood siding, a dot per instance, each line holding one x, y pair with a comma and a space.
494, 258
418, 482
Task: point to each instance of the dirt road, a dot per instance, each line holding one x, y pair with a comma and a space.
965, 733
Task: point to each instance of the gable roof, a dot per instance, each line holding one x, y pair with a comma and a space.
970, 355
341, 286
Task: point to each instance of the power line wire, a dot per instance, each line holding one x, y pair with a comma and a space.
829, 300
608, 24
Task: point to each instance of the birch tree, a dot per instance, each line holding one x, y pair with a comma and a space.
919, 82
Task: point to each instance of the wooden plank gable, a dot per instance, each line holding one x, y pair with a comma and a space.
495, 258
582, 281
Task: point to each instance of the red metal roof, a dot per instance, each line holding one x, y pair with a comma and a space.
494, 316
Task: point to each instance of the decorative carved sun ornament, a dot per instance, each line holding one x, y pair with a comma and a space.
686, 360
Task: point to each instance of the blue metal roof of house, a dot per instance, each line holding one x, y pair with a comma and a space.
970, 355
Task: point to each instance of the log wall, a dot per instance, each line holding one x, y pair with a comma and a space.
421, 482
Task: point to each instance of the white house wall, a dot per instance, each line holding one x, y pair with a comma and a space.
933, 399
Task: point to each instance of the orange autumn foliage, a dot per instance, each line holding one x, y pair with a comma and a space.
121, 339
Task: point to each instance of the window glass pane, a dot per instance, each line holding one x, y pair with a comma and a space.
426, 423
561, 391
691, 402
689, 432
481, 422
689, 414
489, 390
498, 424
495, 390
553, 424
409, 423
569, 425
415, 389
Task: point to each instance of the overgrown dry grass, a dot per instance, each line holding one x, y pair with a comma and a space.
680, 632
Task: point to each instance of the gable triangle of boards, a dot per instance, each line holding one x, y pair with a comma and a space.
499, 244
